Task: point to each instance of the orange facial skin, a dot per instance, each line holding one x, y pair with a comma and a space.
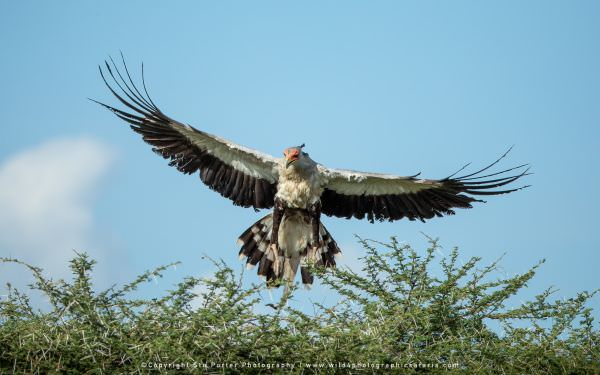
291, 155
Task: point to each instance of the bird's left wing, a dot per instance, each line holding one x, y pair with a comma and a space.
245, 176
387, 197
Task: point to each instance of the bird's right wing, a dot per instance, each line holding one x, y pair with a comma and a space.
245, 176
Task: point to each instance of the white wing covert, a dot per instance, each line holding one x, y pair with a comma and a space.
382, 197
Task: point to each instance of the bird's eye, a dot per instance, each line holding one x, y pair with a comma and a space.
305, 153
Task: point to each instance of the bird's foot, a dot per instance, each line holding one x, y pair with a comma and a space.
313, 254
272, 252
274, 256
278, 265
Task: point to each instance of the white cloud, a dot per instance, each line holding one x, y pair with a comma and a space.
46, 195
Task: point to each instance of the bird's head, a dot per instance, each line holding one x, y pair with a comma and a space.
295, 156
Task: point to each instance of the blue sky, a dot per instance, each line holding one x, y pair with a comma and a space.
387, 86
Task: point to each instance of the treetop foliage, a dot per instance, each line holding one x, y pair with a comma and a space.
398, 315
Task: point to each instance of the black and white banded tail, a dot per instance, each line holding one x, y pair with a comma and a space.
255, 242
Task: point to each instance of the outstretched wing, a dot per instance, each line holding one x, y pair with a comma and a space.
386, 197
245, 176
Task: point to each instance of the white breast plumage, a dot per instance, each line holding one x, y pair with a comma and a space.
299, 191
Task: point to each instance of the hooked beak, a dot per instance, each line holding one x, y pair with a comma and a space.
290, 160
291, 155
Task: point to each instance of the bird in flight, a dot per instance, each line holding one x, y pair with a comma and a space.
295, 188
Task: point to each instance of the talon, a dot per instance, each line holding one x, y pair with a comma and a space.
275, 255
272, 252
278, 266
312, 254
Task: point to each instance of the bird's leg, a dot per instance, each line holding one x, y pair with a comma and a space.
313, 255
277, 257
275, 254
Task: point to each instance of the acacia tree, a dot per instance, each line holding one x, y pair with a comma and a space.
397, 315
